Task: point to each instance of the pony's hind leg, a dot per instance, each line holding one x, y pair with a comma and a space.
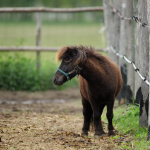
109, 115
101, 111
87, 113
97, 119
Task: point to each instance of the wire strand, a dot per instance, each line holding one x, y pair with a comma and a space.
126, 18
128, 61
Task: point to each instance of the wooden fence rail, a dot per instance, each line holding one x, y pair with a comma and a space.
38, 11
45, 9
36, 48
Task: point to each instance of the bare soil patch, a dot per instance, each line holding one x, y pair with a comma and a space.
68, 94
52, 125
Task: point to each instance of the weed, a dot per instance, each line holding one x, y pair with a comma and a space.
115, 137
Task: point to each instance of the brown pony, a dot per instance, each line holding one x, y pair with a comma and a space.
99, 79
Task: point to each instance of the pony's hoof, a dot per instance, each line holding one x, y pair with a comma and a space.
84, 134
111, 132
99, 133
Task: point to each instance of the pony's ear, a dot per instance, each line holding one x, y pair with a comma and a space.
80, 56
65, 51
71, 51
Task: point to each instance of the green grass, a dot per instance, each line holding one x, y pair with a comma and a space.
52, 34
126, 121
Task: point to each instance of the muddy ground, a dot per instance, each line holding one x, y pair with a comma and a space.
50, 120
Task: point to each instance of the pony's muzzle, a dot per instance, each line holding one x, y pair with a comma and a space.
58, 80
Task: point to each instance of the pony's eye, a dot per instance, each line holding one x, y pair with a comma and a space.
67, 60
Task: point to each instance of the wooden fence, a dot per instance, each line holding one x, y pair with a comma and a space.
54, 10
36, 48
119, 21
38, 11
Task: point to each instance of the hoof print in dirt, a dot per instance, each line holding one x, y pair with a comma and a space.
96, 136
81, 141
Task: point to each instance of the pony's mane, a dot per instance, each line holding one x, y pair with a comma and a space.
83, 52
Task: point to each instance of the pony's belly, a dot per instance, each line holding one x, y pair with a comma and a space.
83, 87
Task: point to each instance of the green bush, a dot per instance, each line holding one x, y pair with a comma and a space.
20, 73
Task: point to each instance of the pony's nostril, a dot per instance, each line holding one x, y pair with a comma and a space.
54, 80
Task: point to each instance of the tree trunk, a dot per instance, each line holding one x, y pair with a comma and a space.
142, 57
130, 52
109, 23
123, 51
148, 19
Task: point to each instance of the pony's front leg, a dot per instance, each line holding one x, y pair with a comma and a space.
97, 111
87, 113
110, 117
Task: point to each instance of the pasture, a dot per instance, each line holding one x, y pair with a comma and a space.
53, 34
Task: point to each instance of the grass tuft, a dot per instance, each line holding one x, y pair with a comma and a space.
126, 121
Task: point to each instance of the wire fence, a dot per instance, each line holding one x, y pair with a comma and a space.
136, 19
123, 56
128, 61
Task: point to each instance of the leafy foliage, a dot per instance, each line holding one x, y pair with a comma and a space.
20, 73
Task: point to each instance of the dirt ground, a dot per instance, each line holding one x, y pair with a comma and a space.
50, 120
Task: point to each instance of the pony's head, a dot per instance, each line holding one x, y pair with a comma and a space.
71, 58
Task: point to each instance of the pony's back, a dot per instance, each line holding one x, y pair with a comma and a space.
106, 76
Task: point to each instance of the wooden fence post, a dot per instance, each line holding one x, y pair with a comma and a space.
148, 19
130, 53
142, 62
116, 35
123, 51
109, 23
38, 38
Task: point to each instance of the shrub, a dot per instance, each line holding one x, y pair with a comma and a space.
20, 73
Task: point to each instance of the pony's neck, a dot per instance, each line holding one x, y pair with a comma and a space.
89, 69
